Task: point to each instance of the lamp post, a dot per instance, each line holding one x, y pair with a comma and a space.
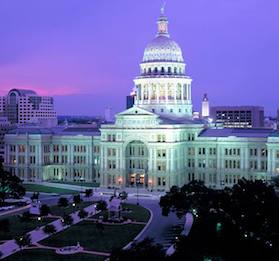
119, 182
150, 184
137, 184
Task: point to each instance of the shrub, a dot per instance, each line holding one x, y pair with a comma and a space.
88, 193
23, 241
45, 210
68, 220
63, 202
77, 199
102, 205
82, 214
49, 229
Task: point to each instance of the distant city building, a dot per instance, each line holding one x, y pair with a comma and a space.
130, 100
5, 126
196, 115
238, 116
108, 114
205, 107
271, 123
25, 106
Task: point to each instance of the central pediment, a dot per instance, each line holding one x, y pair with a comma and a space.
135, 117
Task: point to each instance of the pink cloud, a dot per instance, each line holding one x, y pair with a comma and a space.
43, 91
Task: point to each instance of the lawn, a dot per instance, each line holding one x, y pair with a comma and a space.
49, 255
45, 189
89, 237
19, 228
139, 213
60, 211
77, 183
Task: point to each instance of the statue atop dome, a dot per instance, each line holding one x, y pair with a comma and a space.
163, 8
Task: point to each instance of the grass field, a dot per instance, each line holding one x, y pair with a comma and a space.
19, 228
89, 237
59, 211
49, 255
45, 189
77, 183
139, 213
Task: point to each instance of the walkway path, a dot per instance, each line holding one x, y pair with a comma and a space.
39, 246
10, 246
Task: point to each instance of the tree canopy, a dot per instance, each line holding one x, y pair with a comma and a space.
10, 185
244, 218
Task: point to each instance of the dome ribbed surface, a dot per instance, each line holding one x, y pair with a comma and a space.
163, 48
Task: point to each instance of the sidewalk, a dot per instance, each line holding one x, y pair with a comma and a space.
10, 246
132, 192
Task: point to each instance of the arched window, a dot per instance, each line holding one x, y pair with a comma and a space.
156, 70
162, 70
175, 70
169, 70
149, 70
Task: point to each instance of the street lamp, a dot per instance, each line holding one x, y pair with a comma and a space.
137, 184
150, 184
119, 181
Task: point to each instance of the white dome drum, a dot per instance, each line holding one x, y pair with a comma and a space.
163, 49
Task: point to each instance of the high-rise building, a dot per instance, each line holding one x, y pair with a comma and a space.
238, 116
25, 106
130, 100
108, 114
5, 126
205, 106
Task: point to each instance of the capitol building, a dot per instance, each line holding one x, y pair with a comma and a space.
155, 144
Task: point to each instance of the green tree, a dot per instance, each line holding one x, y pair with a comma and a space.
35, 196
45, 210
88, 193
63, 202
25, 217
76, 199
49, 229
67, 220
82, 214
10, 185
245, 216
101, 205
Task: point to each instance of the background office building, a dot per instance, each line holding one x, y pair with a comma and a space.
205, 106
238, 116
25, 106
5, 126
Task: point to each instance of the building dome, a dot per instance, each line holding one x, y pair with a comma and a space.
163, 49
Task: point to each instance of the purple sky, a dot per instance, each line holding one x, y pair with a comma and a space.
86, 52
